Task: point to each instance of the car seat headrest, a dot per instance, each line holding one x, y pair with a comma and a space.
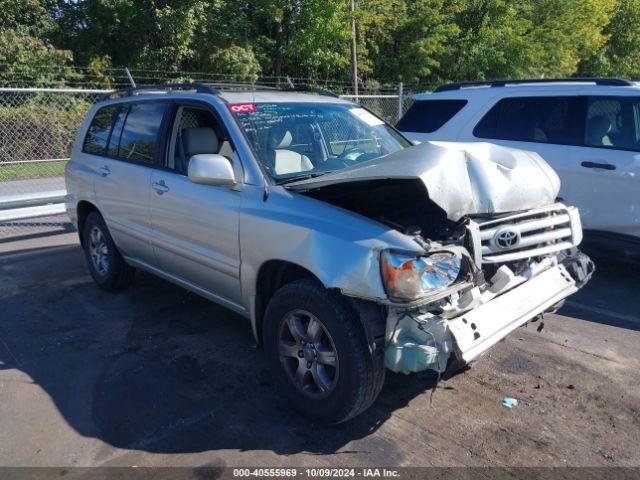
598, 127
199, 140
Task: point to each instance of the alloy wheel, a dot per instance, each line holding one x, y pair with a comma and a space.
308, 354
99, 251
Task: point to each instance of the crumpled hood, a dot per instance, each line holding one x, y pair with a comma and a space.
461, 178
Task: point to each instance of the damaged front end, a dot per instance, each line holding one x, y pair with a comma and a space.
496, 251
520, 266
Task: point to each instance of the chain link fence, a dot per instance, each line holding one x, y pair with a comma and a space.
37, 130
388, 107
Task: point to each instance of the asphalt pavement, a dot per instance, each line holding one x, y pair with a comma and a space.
157, 376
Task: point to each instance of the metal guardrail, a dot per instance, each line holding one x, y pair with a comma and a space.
30, 205
31, 212
8, 202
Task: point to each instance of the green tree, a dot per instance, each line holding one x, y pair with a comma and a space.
239, 63
228, 40
26, 55
620, 55
26, 17
492, 42
136, 33
567, 32
306, 38
404, 40
519, 38
100, 72
318, 45
426, 41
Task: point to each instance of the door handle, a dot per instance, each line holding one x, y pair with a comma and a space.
160, 187
105, 171
605, 166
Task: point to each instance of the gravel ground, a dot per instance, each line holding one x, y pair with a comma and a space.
158, 376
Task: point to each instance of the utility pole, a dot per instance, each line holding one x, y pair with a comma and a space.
354, 53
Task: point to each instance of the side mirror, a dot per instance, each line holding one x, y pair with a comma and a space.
211, 169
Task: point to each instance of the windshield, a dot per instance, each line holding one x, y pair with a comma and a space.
298, 140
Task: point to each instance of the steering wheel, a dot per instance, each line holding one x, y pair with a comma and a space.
352, 153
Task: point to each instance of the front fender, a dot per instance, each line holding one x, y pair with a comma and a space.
339, 247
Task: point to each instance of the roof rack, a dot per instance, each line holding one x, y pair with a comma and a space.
169, 87
214, 88
611, 82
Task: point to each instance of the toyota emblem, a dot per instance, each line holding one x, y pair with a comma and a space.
507, 238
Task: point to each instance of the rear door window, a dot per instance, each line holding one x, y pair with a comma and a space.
98, 133
139, 138
613, 122
557, 120
427, 116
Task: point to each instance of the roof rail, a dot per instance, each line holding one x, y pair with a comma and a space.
612, 82
214, 88
198, 87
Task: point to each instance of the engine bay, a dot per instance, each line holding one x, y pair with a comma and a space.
402, 204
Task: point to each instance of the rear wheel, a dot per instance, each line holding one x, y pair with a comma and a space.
317, 351
106, 265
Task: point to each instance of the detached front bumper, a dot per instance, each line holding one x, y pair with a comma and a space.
470, 326
481, 328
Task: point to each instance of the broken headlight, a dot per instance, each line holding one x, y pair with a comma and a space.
409, 278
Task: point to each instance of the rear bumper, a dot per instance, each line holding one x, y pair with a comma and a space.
478, 330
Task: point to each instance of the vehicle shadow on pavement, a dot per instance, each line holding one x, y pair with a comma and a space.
158, 369
610, 297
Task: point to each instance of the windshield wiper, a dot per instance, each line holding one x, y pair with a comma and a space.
303, 177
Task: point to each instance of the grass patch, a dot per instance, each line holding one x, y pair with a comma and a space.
20, 171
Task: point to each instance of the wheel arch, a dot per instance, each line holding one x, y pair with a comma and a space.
274, 274
83, 210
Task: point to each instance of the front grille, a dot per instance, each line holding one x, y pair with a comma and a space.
526, 234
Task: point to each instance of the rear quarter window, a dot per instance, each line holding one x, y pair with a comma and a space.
613, 122
95, 142
427, 116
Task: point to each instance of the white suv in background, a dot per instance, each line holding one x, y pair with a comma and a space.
587, 129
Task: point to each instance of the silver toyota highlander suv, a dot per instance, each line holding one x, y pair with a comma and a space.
348, 249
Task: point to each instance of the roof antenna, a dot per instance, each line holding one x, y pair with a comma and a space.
290, 82
130, 77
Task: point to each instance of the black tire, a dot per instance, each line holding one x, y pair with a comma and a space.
360, 374
115, 273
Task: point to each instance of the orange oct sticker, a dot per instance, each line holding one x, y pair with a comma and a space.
243, 107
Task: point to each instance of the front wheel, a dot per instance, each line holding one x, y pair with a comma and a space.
316, 349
